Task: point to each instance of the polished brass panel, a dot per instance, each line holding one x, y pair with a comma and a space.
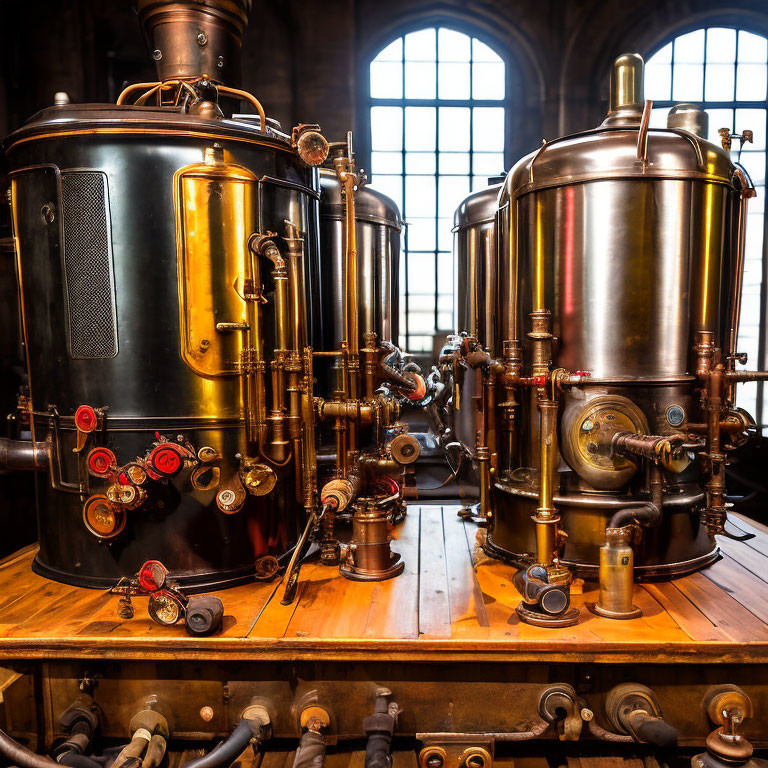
216, 207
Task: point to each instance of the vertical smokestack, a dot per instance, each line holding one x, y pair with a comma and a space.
192, 38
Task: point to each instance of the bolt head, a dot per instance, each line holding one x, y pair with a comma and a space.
202, 38
157, 54
206, 713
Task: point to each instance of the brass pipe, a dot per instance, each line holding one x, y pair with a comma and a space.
252, 362
309, 467
250, 98
546, 517
747, 191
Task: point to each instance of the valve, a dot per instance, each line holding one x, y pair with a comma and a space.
544, 603
558, 705
727, 706
379, 728
633, 709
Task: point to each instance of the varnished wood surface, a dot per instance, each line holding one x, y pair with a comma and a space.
451, 603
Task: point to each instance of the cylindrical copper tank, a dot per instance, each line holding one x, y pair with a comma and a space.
628, 237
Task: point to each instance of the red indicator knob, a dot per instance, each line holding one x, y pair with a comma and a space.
421, 387
86, 419
101, 461
539, 381
165, 460
152, 575
583, 373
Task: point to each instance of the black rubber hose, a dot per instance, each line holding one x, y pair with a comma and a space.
379, 728
75, 760
20, 756
646, 514
311, 751
653, 730
225, 753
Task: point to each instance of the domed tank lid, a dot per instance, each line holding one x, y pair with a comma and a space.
617, 149
478, 208
370, 205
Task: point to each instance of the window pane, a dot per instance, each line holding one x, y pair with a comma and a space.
420, 196
454, 81
421, 277
488, 129
454, 162
420, 46
419, 128
721, 45
719, 118
479, 182
453, 45
488, 81
663, 55
445, 234
689, 49
659, 117
489, 163
482, 52
658, 81
386, 128
688, 82
386, 80
419, 80
454, 129
391, 186
750, 82
386, 162
452, 190
753, 120
720, 78
754, 162
753, 48
420, 162
421, 234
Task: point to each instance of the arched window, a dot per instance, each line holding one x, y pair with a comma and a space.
726, 71
437, 118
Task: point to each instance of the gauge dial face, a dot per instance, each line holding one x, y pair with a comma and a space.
164, 608
102, 518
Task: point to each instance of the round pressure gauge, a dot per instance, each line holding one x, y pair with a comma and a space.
102, 518
165, 609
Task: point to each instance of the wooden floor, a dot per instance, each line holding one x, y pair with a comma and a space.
451, 603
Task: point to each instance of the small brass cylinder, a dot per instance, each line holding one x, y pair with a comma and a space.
627, 84
617, 576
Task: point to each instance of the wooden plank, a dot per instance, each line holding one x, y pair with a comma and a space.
395, 603
741, 584
434, 613
465, 600
722, 610
752, 559
687, 615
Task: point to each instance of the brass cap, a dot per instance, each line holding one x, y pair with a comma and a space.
626, 90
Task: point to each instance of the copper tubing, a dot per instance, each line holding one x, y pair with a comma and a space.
746, 192
642, 134
546, 515
252, 362
309, 458
600, 733
225, 89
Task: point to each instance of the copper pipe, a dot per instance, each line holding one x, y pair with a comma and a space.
747, 191
308, 417
642, 134
250, 98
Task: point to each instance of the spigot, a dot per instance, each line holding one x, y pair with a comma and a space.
558, 705
727, 706
633, 709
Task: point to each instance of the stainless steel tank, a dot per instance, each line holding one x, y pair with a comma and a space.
378, 240
619, 269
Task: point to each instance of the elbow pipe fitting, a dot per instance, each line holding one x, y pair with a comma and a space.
646, 515
23, 454
536, 591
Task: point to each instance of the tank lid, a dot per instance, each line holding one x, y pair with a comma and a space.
611, 153
370, 204
478, 208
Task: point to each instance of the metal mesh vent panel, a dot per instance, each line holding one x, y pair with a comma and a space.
88, 265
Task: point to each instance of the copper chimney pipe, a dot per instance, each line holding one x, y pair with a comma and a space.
192, 38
